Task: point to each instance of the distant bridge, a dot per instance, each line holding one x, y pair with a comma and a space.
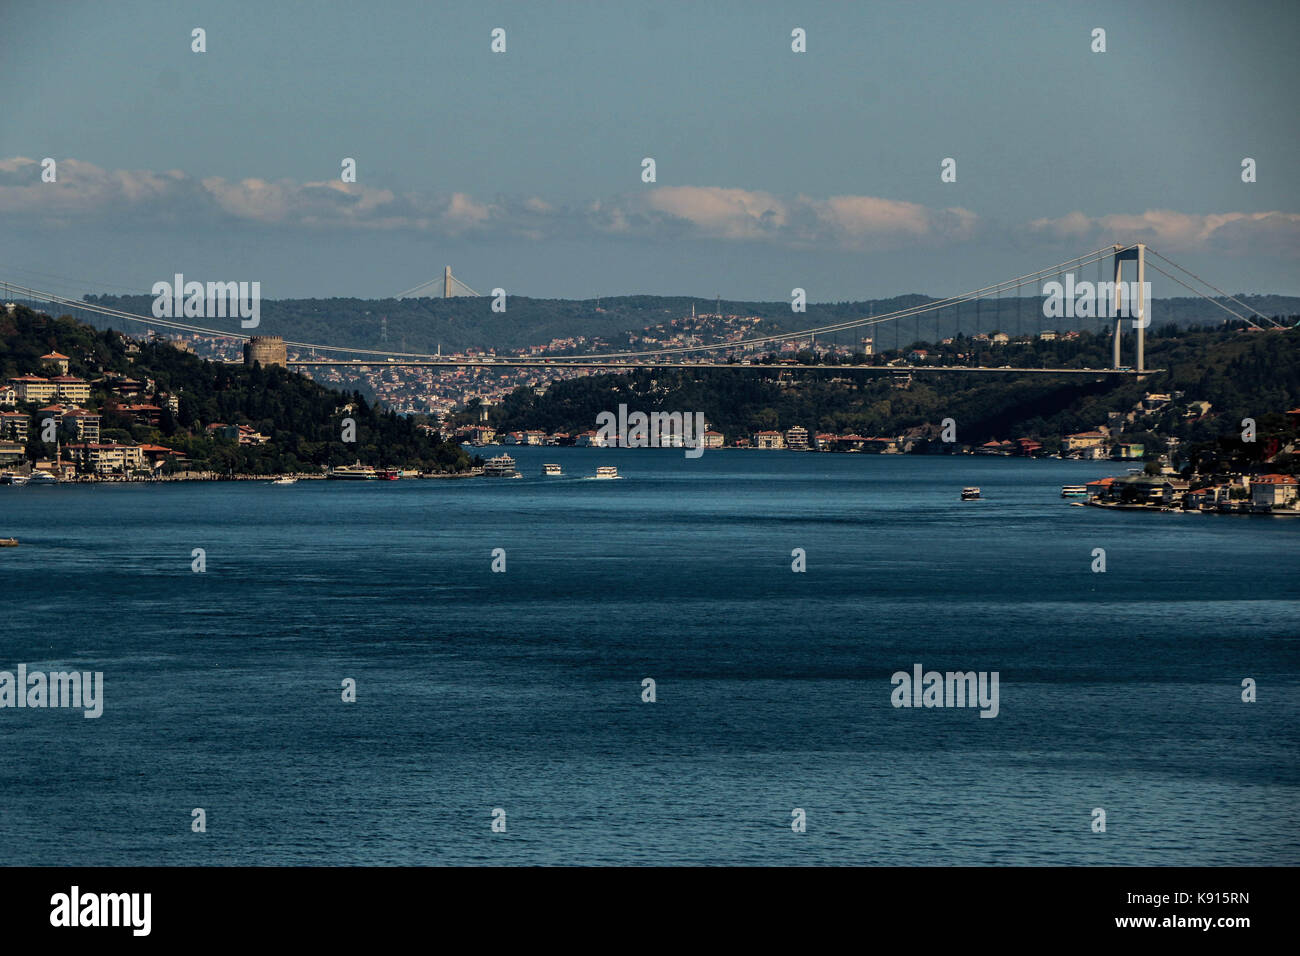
451, 287
678, 356
743, 366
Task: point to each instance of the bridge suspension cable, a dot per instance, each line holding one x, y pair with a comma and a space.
997, 288
1225, 295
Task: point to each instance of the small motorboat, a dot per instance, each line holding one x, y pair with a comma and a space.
970, 494
8, 542
285, 481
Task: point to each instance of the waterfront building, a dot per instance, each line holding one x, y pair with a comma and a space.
71, 389
86, 423
1081, 440
769, 440
58, 360
33, 388
14, 426
796, 438
105, 459
1273, 491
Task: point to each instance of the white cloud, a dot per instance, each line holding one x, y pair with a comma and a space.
85, 192
1270, 233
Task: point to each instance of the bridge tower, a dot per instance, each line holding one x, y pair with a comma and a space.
1135, 253
446, 282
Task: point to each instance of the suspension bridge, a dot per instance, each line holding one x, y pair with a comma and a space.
1109, 307
451, 287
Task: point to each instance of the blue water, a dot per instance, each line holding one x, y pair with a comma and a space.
478, 690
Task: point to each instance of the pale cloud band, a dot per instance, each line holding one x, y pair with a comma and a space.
85, 192
1268, 233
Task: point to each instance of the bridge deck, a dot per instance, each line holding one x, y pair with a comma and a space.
625, 366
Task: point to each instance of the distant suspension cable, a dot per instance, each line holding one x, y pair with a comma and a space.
994, 289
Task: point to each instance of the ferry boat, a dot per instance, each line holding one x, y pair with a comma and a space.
357, 472
1074, 491
606, 471
551, 471
42, 478
502, 466
970, 494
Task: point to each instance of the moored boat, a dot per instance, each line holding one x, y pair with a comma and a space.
1074, 491
42, 478
356, 472
10, 478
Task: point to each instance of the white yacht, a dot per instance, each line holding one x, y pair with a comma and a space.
357, 472
502, 466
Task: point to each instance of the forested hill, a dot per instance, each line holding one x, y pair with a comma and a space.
424, 325
301, 418
1242, 374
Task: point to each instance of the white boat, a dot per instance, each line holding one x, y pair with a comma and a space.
285, 481
357, 472
606, 471
42, 478
9, 478
551, 471
970, 494
502, 466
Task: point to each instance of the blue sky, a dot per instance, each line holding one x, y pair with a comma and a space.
523, 169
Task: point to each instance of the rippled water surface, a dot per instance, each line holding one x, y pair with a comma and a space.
522, 690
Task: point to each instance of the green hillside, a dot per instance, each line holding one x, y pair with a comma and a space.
302, 419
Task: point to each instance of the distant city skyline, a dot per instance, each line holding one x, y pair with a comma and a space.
523, 169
